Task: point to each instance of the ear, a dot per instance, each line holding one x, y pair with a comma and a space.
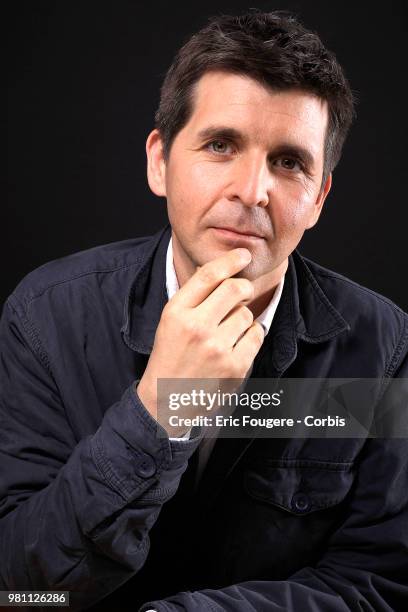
317, 209
156, 165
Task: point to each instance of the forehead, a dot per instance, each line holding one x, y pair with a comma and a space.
241, 102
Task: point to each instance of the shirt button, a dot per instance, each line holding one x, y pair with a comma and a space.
301, 503
145, 466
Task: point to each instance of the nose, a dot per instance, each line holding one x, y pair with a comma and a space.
250, 181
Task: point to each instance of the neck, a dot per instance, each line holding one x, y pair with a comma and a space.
265, 287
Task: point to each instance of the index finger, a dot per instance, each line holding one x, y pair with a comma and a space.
210, 275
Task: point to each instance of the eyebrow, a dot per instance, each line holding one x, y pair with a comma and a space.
283, 148
220, 132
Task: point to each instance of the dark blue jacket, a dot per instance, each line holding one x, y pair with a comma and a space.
94, 502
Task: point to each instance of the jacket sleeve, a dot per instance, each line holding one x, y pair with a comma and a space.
75, 514
365, 564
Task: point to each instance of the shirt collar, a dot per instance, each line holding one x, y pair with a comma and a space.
172, 286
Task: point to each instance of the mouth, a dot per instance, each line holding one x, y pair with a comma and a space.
233, 233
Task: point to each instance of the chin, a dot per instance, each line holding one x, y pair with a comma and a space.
256, 268
251, 272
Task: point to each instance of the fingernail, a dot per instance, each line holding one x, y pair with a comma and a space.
245, 255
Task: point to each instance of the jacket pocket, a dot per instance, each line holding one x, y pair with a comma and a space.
299, 486
283, 516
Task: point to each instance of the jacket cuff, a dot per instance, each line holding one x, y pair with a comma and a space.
194, 434
133, 451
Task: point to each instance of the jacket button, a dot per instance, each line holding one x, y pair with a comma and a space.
146, 466
301, 502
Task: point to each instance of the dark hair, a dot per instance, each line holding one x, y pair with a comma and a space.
272, 48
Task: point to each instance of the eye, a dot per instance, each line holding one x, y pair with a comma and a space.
219, 146
288, 163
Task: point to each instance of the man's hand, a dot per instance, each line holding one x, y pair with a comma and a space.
205, 330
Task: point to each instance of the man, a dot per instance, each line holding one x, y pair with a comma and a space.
97, 496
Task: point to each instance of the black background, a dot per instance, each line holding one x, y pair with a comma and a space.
83, 86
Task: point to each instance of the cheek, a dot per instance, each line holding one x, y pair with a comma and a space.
295, 209
207, 179
189, 194
196, 188
178, 190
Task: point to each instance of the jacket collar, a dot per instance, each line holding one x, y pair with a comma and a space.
304, 312
147, 295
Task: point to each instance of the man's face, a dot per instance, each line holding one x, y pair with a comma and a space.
245, 171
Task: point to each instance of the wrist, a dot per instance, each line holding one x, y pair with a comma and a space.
146, 397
